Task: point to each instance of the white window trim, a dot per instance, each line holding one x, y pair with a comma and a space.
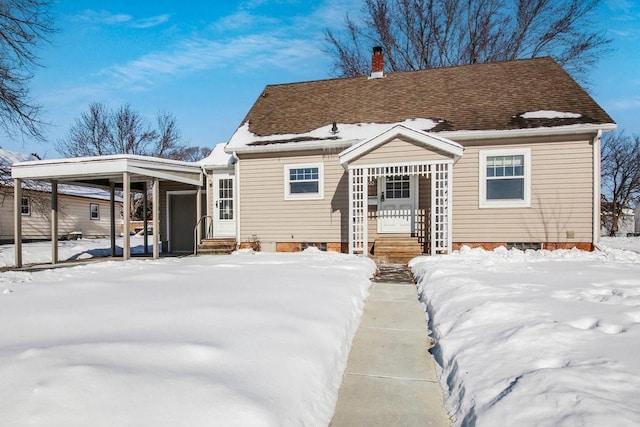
526, 202
91, 218
304, 196
28, 213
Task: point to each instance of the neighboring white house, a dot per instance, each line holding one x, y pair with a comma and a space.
627, 223
82, 211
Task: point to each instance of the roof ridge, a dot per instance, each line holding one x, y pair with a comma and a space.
422, 70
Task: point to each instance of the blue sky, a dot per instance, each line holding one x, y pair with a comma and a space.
206, 63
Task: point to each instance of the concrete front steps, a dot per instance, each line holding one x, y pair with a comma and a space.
396, 249
216, 246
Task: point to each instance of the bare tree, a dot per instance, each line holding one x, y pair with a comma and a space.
620, 176
101, 131
421, 34
130, 134
24, 24
89, 135
193, 154
167, 142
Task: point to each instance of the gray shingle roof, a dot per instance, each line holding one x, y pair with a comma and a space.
471, 97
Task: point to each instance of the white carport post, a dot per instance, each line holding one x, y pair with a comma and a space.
17, 221
145, 221
112, 213
126, 208
198, 215
54, 222
156, 219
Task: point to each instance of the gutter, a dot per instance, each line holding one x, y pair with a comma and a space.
237, 197
596, 188
470, 135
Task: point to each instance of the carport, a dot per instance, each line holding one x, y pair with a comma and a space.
123, 172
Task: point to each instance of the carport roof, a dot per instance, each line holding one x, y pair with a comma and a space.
102, 171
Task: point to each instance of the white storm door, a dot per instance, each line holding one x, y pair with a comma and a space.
396, 204
224, 209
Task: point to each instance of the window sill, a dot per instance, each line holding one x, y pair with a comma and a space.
304, 197
504, 204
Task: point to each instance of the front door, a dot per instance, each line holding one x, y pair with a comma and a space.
224, 214
396, 204
182, 220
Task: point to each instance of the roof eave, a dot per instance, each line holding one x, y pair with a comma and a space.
469, 135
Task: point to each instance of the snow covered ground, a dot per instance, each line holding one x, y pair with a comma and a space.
523, 338
627, 243
40, 252
240, 340
537, 338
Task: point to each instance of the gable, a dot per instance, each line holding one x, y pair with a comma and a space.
400, 150
400, 145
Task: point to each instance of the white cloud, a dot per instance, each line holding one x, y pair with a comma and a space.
625, 104
151, 22
104, 17
189, 56
264, 42
244, 21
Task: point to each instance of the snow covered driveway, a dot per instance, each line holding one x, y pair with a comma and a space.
536, 338
240, 340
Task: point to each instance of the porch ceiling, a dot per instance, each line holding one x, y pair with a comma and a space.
427, 140
101, 171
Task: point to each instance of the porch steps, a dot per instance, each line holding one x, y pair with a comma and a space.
396, 249
216, 246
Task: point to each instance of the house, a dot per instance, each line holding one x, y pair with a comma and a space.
402, 163
82, 211
626, 220
483, 155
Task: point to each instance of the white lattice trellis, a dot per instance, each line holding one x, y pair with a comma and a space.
440, 221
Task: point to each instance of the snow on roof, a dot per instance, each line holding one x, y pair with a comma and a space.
8, 158
79, 191
549, 114
346, 134
217, 158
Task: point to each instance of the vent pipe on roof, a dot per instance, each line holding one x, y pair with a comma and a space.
377, 63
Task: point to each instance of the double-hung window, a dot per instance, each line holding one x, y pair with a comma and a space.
304, 181
505, 178
94, 211
25, 206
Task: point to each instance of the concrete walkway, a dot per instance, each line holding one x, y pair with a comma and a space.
390, 379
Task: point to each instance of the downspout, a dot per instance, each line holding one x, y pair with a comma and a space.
596, 188
237, 197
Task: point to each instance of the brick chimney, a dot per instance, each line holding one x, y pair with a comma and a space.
377, 63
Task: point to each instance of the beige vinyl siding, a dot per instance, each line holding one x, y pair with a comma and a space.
267, 215
399, 150
561, 197
73, 215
